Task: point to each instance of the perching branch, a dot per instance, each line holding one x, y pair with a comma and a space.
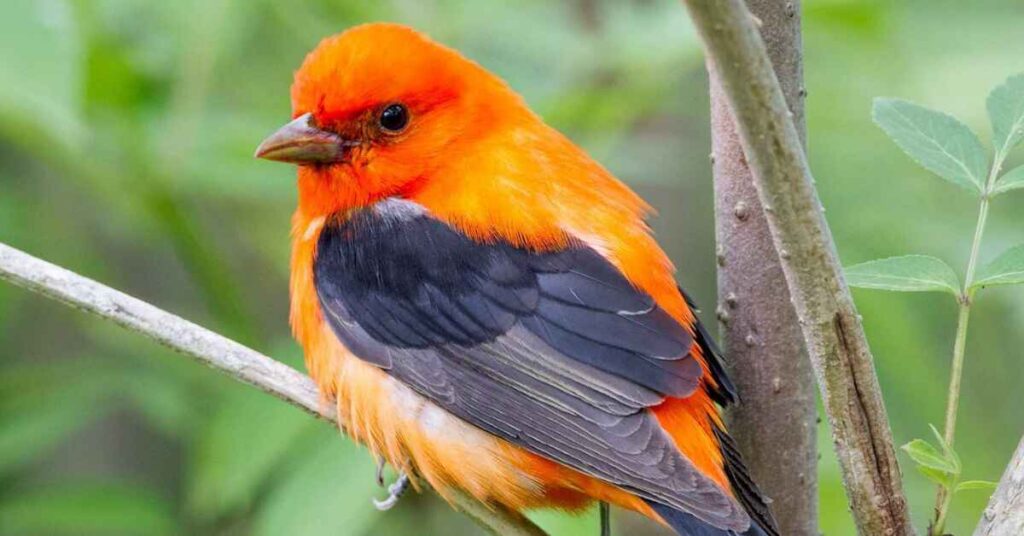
225, 355
775, 424
825, 311
1004, 515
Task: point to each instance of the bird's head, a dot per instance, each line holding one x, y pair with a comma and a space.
380, 108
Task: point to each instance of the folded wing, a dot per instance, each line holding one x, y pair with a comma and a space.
553, 351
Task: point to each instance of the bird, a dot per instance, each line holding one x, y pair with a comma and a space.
485, 304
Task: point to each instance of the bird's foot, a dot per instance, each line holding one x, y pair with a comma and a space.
395, 490
381, 463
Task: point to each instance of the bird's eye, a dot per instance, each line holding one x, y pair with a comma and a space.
394, 118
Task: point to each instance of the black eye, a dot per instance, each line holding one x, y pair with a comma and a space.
394, 118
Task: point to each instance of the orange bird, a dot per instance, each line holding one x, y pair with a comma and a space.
486, 304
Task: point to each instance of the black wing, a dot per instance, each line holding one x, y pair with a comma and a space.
555, 352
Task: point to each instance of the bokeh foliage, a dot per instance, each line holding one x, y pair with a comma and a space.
126, 133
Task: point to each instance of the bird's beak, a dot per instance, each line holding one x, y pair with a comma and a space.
301, 142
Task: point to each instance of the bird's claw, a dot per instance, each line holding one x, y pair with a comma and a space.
380, 472
395, 491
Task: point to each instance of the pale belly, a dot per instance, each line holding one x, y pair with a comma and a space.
423, 440
426, 442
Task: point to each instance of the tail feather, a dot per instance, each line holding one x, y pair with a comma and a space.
762, 522
722, 391
686, 524
743, 487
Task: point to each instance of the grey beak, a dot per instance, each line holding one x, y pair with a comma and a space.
301, 142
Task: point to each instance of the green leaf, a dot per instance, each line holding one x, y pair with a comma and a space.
168, 403
937, 141
567, 524
87, 509
910, 273
1006, 111
41, 405
1011, 180
925, 454
947, 449
40, 85
26, 436
944, 478
1006, 269
976, 484
246, 439
327, 492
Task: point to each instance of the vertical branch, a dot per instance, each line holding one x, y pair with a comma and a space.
775, 423
826, 314
1005, 513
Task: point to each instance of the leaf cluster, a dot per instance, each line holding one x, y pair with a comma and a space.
951, 150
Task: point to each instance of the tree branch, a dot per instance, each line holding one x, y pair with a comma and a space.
207, 347
1004, 515
775, 425
825, 311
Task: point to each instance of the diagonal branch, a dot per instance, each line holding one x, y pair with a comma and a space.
207, 347
826, 314
1005, 513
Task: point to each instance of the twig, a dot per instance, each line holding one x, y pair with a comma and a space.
207, 347
1005, 513
944, 496
832, 329
775, 424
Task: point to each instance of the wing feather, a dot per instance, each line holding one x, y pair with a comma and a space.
555, 352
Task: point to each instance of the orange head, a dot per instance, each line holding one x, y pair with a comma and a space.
380, 108
383, 111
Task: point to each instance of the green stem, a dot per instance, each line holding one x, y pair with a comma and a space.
944, 496
966, 296
952, 404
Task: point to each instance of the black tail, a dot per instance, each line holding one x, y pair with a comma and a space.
762, 523
687, 525
723, 392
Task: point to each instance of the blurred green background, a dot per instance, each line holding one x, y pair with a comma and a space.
126, 135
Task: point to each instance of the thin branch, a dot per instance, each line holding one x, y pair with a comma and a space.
944, 495
1005, 513
205, 346
831, 327
775, 424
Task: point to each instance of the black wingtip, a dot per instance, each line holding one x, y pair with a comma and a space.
724, 391
686, 524
744, 490
743, 486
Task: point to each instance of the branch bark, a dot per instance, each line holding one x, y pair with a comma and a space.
775, 425
205, 346
1004, 515
825, 311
